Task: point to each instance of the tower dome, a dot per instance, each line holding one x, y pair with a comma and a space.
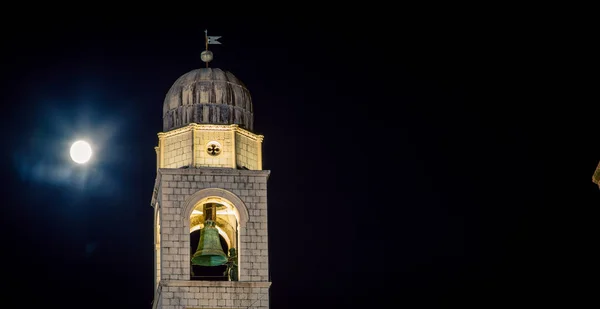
207, 96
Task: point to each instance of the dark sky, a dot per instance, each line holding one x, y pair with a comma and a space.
405, 158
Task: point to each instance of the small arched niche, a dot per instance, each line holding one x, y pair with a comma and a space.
226, 218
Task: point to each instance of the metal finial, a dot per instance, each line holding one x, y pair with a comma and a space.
207, 55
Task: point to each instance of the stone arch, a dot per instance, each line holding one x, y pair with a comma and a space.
192, 200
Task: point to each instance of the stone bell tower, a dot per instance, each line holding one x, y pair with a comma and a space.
210, 195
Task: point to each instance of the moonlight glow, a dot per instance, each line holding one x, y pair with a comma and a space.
81, 152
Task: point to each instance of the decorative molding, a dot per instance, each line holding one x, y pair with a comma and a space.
194, 146
228, 284
192, 200
161, 156
234, 150
157, 151
212, 127
249, 134
259, 162
213, 148
227, 171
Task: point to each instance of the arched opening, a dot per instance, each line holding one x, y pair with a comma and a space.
224, 226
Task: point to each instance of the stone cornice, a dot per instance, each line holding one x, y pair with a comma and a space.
212, 171
212, 127
249, 134
232, 284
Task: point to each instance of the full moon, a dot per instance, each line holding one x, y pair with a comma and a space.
81, 152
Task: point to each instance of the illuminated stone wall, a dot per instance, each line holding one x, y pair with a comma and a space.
214, 294
203, 138
178, 149
189, 147
176, 193
247, 151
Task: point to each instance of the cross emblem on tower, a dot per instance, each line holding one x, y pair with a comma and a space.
213, 150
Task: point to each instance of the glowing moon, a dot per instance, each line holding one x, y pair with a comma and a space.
81, 152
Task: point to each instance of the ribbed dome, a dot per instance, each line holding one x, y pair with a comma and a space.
207, 95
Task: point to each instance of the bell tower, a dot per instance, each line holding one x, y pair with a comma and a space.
210, 197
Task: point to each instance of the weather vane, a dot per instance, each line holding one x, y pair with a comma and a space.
207, 55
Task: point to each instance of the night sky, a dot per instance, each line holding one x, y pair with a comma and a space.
405, 159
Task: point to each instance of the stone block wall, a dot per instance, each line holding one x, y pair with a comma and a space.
213, 294
179, 188
187, 147
247, 152
178, 150
224, 138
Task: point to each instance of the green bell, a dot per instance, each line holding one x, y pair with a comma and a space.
209, 252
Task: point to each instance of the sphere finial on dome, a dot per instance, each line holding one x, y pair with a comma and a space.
207, 55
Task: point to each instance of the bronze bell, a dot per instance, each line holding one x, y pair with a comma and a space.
209, 252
